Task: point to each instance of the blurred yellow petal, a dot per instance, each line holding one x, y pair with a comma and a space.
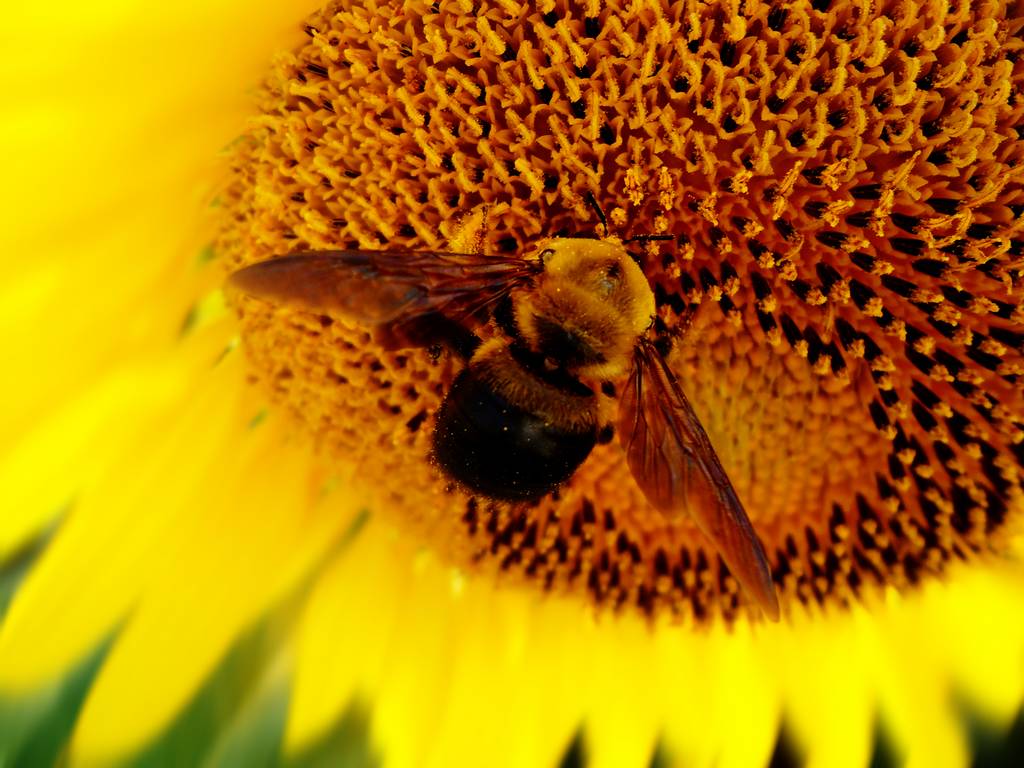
345, 632
734, 682
506, 639
619, 729
829, 699
110, 163
547, 662
414, 689
260, 530
61, 455
112, 543
982, 627
70, 322
914, 693
153, 91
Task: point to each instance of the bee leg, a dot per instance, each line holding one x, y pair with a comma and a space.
504, 317
438, 330
457, 340
463, 342
427, 332
462, 347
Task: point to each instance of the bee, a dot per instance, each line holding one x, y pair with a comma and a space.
573, 316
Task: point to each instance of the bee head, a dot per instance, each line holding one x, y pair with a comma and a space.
588, 308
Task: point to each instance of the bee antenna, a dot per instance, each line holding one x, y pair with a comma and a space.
592, 201
647, 238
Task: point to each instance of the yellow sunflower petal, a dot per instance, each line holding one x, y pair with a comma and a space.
464, 636
107, 550
414, 688
133, 96
982, 627
424, 669
518, 644
260, 532
551, 667
830, 703
56, 324
620, 729
59, 456
344, 633
731, 688
105, 183
914, 689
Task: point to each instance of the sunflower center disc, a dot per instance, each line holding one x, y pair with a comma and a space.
846, 205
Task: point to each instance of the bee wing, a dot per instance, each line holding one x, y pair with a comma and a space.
672, 459
399, 292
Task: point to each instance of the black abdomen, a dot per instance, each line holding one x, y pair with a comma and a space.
501, 450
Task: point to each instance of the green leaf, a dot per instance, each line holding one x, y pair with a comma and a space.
35, 728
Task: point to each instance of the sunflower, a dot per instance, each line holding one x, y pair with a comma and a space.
222, 539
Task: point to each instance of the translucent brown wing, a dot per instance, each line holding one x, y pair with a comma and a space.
672, 459
400, 293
